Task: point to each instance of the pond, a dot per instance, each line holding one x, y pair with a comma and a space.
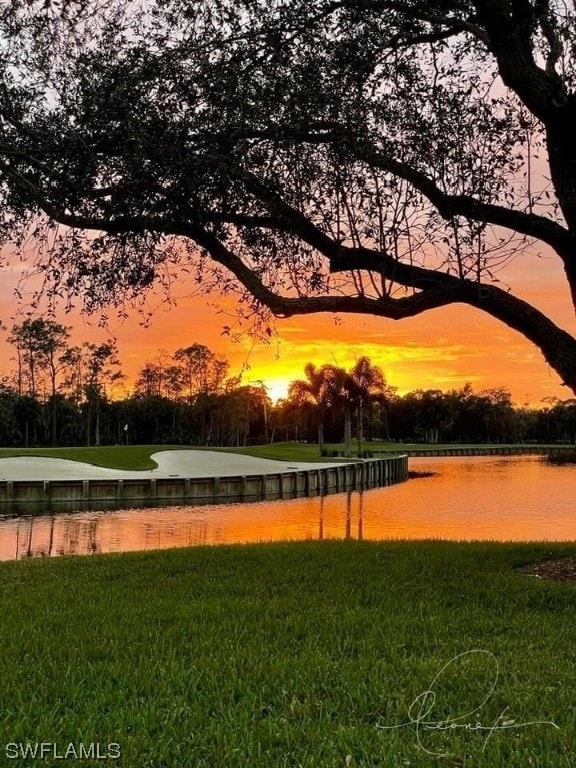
468, 498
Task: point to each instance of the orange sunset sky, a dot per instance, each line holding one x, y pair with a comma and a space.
443, 349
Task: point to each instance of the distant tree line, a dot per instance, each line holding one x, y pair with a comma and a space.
62, 394
330, 402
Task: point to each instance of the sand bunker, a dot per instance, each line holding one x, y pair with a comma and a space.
188, 463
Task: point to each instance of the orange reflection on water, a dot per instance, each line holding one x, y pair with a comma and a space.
469, 498
139, 529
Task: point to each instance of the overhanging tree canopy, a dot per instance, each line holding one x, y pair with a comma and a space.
365, 156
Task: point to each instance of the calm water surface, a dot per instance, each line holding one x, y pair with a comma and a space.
504, 499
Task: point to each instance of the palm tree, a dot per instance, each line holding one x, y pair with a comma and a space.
311, 391
369, 385
331, 387
339, 392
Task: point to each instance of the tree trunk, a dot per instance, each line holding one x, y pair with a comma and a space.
53, 404
347, 432
360, 427
321, 436
88, 423
53, 428
97, 426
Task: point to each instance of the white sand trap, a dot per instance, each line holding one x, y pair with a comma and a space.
217, 464
188, 463
43, 468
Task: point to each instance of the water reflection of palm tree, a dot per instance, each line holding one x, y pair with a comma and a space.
51, 538
360, 515
93, 537
321, 528
17, 541
29, 545
348, 533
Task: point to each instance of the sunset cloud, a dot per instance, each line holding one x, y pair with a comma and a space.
443, 349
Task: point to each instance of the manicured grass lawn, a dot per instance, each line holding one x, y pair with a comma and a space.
291, 655
114, 456
138, 456
290, 451
287, 451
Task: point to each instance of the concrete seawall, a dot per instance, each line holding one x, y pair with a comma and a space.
37, 496
500, 450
